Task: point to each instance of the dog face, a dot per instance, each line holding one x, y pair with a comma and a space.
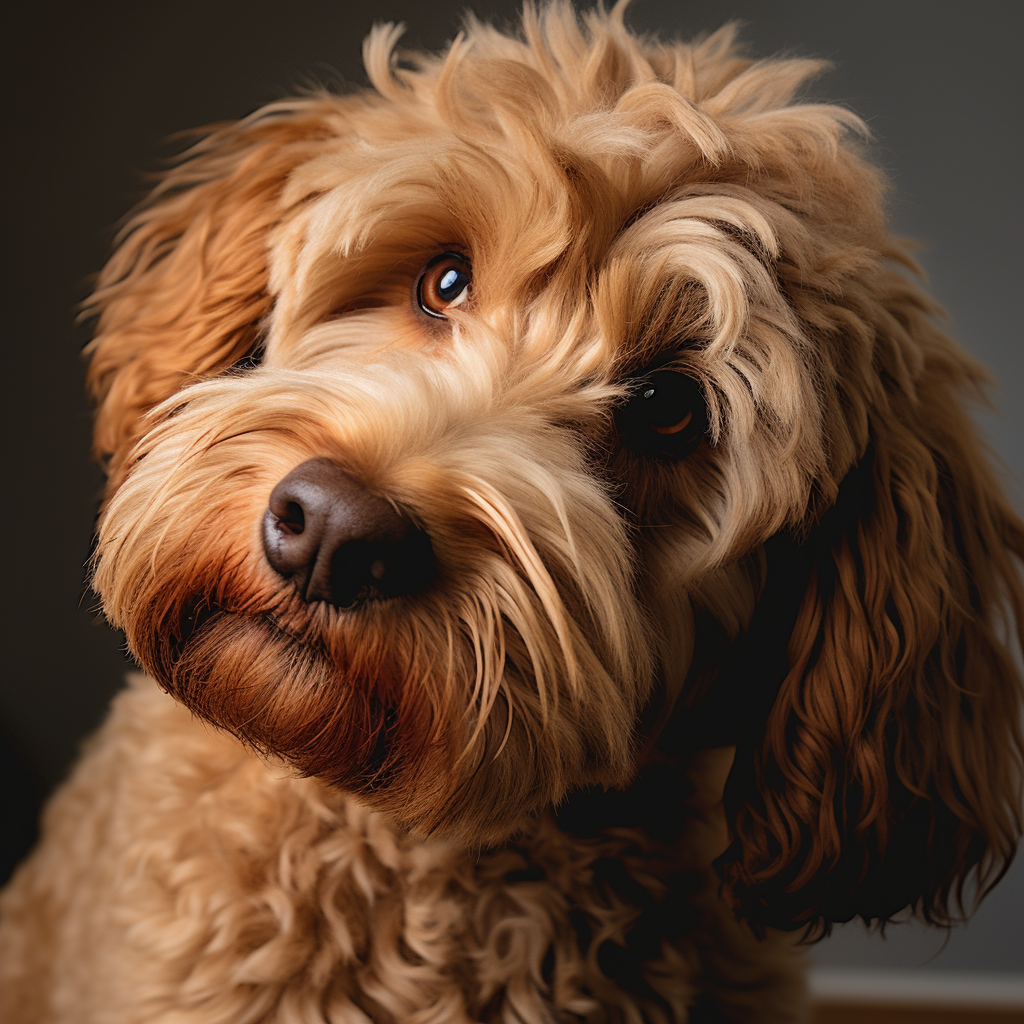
437, 417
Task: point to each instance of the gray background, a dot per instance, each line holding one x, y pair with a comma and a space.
97, 89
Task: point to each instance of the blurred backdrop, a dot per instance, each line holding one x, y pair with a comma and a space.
97, 89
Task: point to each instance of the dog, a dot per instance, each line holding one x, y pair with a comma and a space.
565, 572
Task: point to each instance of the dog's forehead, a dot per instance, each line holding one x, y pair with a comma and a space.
542, 206
521, 198
527, 154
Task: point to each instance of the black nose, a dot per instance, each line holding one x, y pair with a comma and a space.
340, 543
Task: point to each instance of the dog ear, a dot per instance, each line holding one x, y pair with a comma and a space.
888, 773
185, 291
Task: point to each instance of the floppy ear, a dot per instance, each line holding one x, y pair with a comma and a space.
889, 771
186, 289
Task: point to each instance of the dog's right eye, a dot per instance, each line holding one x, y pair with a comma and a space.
444, 284
664, 416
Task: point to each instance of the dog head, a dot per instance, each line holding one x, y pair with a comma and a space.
550, 408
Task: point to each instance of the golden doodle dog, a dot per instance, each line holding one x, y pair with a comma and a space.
549, 512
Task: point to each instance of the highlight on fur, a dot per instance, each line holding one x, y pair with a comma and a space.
830, 582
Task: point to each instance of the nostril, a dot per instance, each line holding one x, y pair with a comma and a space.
288, 546
290, 518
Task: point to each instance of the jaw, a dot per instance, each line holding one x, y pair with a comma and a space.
459, 711
382, 722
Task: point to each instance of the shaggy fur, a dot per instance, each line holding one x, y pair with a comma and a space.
651, 708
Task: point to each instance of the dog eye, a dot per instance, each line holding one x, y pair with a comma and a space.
251, 359
664, 415
444, 284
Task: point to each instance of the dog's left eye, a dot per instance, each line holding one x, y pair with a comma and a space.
444, 284
664, 415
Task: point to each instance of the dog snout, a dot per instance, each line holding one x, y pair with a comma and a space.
338, 542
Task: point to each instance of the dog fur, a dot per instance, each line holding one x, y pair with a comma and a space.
654, 718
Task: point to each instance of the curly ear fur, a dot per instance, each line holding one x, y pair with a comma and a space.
185, 291
890, 770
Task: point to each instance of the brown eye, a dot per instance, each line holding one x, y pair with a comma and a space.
444, 284
664, 416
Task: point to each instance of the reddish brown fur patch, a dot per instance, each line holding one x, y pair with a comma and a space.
186, 290
348, 723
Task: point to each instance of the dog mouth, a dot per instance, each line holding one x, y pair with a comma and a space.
356, 699
203, 612
195, 616
287, 695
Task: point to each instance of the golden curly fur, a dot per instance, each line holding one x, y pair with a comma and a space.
512, 795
